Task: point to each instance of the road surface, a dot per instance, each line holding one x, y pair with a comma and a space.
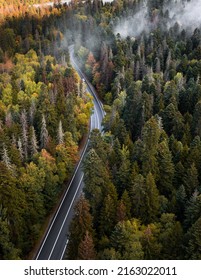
56, 239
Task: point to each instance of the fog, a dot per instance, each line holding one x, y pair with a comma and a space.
133, 25
186, 14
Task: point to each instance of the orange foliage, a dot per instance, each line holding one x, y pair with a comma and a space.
47, 156
6, 66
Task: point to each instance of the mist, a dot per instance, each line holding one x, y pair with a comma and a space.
186, 14
133, 25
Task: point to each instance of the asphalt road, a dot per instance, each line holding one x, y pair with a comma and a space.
55, 241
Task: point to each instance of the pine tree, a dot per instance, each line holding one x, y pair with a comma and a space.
86, 250
96, 180
137, 195
32, 111
108, 214
166, 169
6, 158
44, 135
150, 136
24, 124
34, 143
60, 134
152, 199
193, 250
192, 209
127, 203
171, 237
20, 148
191, 182
82, 222
197, 120
150, 243
125, 239
121, 212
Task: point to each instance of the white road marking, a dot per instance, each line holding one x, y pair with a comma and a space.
64, 249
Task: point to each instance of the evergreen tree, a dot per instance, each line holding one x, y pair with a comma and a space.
82, 223
44, 135
24, 124
166, 169
34, 143
193, 250
86, 250
60, 134
6, 159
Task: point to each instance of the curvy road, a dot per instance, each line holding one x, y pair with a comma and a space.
54, 244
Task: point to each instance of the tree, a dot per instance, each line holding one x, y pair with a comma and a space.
108, 214
60, 134
81, 223
6, 159
166, 169
13, 200
170, 237
191, 182
34, 143
197, 120
150, 136
24, 124
86, 250
193, 249
89, 66
153, 199
96, 180
7, 248
122, 176
125, 239
144, 198
192, 209
20, 148
44, 135
150, 243
32, 183
51, 187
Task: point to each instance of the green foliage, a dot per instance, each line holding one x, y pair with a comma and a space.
147, 163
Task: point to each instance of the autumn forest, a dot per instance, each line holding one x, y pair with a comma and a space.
142, 174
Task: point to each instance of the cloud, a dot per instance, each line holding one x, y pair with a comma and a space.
187, 14
133, 25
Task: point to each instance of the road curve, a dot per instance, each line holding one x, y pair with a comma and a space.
56, 239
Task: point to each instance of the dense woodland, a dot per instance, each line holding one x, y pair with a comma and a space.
44, 114
142, 194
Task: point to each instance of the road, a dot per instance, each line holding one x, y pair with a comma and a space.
55, 241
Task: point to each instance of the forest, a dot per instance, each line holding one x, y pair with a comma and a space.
142, 175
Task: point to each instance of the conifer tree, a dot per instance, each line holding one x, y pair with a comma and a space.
193, 250
86, 250
166, 169
24, 124
60, 134
6, 159
44, 135
82, 222
20, 148
34, 143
